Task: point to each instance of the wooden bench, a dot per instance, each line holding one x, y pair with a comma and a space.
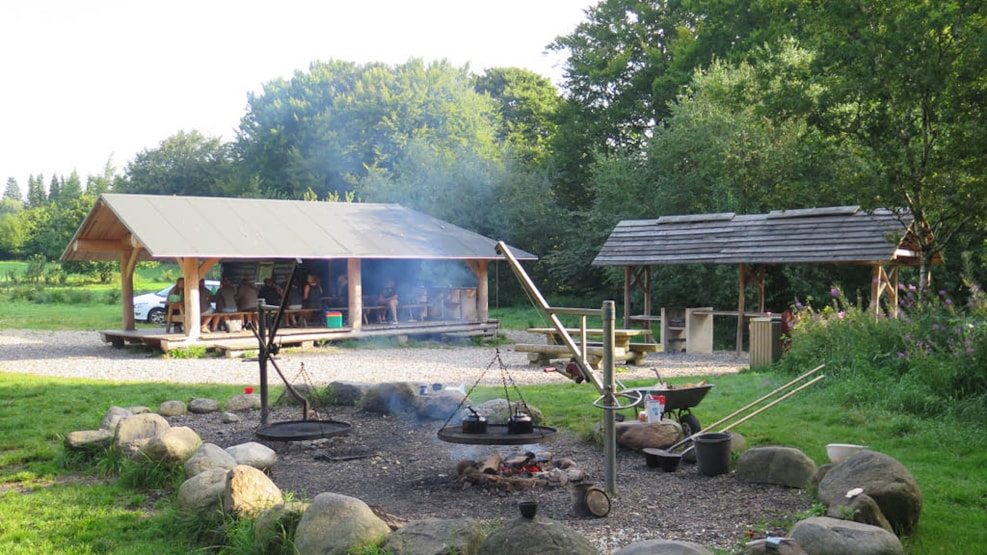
624, 350
304, 313
645, 321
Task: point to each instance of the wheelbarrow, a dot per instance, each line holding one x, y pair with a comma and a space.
679, 402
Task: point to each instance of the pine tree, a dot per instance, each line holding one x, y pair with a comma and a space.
12, 191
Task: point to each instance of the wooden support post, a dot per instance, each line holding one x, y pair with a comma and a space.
191, 322
128, 262
884, 281
741, 307
354, 273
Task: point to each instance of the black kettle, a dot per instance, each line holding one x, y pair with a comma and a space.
520, 423
474, 423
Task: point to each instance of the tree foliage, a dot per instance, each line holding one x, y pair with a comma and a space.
326, 128
183, 164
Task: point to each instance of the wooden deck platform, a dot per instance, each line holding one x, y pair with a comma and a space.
234, 344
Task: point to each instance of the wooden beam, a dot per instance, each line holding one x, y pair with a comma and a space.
354, 272
207, 265
191, 324
100, 245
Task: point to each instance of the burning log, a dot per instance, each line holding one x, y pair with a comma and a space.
492, 464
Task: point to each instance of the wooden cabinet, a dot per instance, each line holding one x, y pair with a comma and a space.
687, 329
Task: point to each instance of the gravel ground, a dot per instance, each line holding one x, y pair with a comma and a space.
71, 354
411, 474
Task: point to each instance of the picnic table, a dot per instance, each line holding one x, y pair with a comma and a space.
555, 348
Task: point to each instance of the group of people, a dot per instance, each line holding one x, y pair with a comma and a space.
307, 295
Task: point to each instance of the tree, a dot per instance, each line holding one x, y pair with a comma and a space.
905, 82
325, 129
36, 194
12, 191
71, 188
528, 104
55, 189
183, 164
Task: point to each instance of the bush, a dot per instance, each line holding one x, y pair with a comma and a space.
927, 361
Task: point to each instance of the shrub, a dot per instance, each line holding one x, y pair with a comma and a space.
928, 359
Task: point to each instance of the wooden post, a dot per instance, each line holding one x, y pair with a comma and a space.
741, 302
193, 315
482, 291
354, 275
128, 261
627, 296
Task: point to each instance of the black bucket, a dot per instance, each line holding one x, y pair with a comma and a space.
713, 453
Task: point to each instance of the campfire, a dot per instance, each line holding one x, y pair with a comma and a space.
520, 472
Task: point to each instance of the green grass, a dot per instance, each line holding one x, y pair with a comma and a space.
48, 508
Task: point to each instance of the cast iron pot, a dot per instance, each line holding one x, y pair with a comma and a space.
474, 423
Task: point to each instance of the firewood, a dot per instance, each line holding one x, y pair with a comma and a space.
462, 465
564, 462
492, 464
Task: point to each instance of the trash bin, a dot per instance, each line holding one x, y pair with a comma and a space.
765, 341
713, 453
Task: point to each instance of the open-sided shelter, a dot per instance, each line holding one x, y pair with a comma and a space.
882, 239
199, 232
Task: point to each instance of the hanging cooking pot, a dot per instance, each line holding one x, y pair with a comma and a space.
474, 423
520, 423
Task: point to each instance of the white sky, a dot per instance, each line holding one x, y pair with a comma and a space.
89, 80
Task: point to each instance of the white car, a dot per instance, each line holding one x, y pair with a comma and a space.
150, 307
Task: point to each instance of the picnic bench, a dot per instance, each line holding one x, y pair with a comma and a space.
555, 348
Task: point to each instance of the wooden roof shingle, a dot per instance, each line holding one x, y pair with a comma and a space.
831, 235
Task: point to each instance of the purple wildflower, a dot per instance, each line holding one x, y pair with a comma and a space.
901, 354
949, 302
834, 292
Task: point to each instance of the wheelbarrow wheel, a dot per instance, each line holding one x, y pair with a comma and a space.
690, 424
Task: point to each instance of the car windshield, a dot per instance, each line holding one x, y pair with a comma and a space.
164, 292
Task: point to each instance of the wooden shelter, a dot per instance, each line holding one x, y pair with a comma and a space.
882, 239
199, 232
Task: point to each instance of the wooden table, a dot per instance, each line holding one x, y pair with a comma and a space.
555, 348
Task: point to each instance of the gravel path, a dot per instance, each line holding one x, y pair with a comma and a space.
73, 354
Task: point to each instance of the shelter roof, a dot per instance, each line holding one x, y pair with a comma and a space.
235, 228
832, 235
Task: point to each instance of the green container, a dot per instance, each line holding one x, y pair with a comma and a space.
334, 319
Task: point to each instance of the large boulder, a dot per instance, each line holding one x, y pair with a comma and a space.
133, 432
390, 398
662, 547
336, 524
249, 491
174, 445
822, 535
783, 466
113, 416
439, 405
859, 507
432, 537
881, 477
535, 536
253, 454
172, 408
207, 457
641, 435
347, 394
88, 440
243, 401
202, 494
203, 405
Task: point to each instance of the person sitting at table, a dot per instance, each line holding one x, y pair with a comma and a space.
175, 306
205, 305
270, 292
342, 290
225, 304
246, 298
389, 298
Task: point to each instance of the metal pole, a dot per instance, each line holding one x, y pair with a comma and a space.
609, 387
262, 355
